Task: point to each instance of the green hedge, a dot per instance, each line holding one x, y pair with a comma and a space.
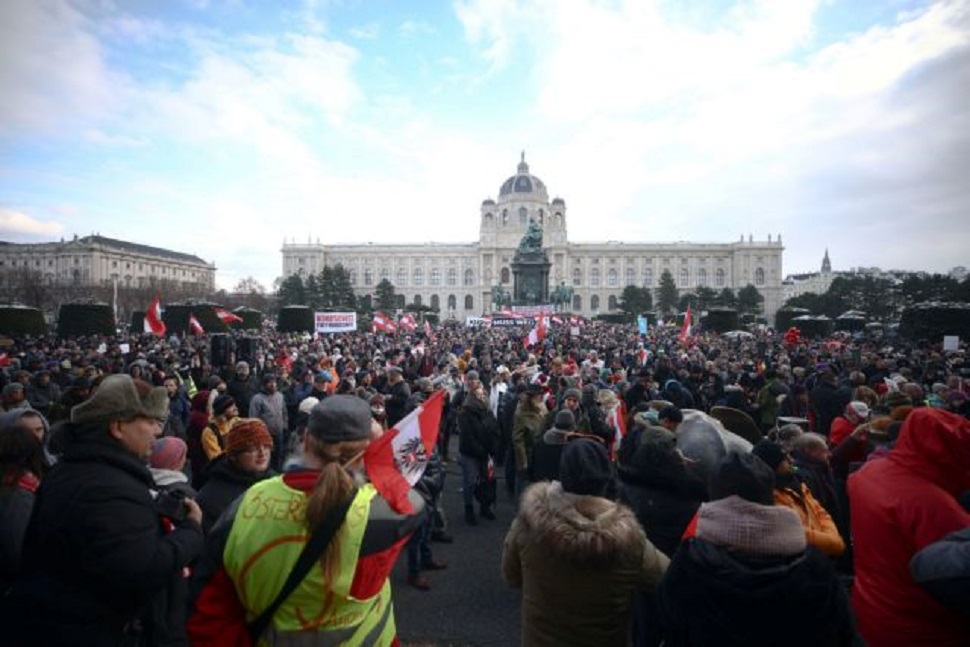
295, 319
933, 320
721, 320
85, 319
18, 321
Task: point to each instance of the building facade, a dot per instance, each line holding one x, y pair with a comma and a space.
99, 261
458, 278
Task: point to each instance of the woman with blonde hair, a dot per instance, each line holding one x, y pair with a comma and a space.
320, 512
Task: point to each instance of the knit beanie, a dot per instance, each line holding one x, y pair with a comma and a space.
565, 420
770, 452
744, 475
584, 468
168, 453
247, 433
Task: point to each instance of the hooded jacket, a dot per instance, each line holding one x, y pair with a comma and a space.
901, 504
577, 560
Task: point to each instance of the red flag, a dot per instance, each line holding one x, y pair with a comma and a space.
557, 320
407, 322
227, 317
153, 319
685, 329
617, 420
395, 461
194, 326
382, 322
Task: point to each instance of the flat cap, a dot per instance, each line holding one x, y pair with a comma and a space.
340, 418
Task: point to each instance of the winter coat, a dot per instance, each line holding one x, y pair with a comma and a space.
746, 577
527, 426
577, 560
16, 502
820, 528
901, 504
396, 402
943, 569
224, 484
97, 552
271, 409
826, 402
478, 428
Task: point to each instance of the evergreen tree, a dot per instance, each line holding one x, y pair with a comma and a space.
385, 296
292, 291
667, 293
635, 301
726, 298
706, 297
749, 300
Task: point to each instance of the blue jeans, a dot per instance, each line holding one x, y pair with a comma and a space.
471, 467
419, 545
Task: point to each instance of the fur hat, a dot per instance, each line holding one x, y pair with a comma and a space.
222, 403
584, 468
565, 420
119, 397
770, 452
340, 418
248, 432
743, 475
168, 453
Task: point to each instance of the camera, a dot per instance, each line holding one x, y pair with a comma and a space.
171, 504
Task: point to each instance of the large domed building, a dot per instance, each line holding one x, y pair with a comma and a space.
458, 279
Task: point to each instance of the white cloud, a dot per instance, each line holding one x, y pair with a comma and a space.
18, 226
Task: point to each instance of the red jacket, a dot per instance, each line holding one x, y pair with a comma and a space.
899, 505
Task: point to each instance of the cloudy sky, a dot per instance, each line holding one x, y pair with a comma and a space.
224, 128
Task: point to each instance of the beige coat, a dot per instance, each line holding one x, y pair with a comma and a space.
577, 560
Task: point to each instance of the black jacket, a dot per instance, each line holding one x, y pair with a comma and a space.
224, 484
97, 553
478, 428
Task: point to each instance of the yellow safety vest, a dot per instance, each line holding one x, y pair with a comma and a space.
266, 539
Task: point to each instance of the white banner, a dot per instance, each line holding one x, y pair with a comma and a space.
326, 322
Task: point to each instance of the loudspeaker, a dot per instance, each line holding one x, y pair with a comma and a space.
246, 350
220, 350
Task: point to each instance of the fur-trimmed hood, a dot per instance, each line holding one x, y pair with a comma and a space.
580, 529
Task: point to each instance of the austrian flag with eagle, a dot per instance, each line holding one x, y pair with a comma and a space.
396, 461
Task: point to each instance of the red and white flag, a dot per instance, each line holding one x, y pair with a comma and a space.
407, 322
617, 421
685, 329
194, 326
396, 461
427, 330
575, 321
556, 319
382, 322
538, 333
153, 319
227, 317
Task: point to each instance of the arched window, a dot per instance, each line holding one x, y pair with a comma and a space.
469, 277
611, 302
435, 303
489, 219
353, 277
452, 276
577, 303
523, 215
505, 217
469, 302
611, 278
385, 274
505, 276
719, 278
402, 277
418, 276
594, 277
435, 276
417, 299
648, 277
368, 276
759, 276
684, 277
701, 277
631, 276
594, 302
452, 302
577, 276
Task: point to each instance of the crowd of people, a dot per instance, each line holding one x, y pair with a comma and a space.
668, 491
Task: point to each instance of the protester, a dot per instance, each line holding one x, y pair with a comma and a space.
22, 466
348, 599
578, 556
97, 554
478, 436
